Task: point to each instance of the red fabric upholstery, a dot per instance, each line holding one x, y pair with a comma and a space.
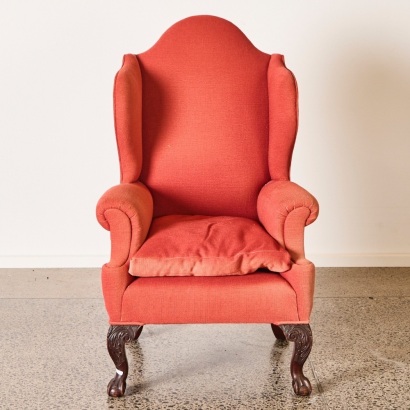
301, 277
254, 298
115, 280
279, 211
205, 120
140, 301
283, 117
126, 211
127, 118
181, 245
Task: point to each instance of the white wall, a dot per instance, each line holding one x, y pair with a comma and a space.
58, 154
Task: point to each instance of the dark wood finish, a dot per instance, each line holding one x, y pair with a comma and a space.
116, 338
277, 331
301, 335
137, 334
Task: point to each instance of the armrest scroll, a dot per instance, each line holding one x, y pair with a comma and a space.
126, 211
284, 209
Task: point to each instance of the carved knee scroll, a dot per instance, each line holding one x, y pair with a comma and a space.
301, 335
116, 338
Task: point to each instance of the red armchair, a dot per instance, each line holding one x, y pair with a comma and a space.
206, 226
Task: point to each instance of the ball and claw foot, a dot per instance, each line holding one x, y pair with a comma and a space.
301, 386
116, 387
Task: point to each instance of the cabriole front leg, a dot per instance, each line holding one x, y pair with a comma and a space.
116, 338
301, 335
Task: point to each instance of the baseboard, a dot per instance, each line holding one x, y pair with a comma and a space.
96, 261
361, 259
53, 261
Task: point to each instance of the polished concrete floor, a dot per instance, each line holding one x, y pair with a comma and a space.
53, 354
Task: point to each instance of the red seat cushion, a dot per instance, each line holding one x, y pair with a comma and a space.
182, 245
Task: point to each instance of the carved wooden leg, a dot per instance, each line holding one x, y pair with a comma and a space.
116, 338
277, 331
302, 336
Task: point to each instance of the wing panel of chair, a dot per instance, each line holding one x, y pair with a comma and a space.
205, 126
128, 118
283, 117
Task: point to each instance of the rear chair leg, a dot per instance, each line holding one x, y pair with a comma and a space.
277, 331
301, 334
116, 338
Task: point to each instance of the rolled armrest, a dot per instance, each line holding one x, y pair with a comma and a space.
284, 209
126, 211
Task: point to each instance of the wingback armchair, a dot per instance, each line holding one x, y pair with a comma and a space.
205, 225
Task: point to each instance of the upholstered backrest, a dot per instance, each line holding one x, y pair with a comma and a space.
204, 142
